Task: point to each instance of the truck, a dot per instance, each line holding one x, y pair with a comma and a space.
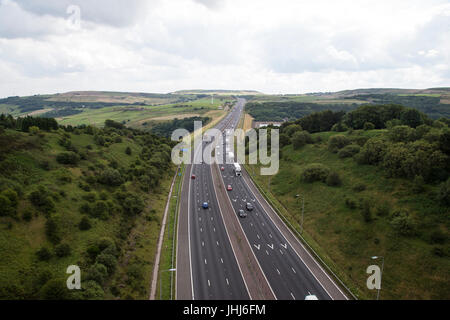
230, 157
237, 169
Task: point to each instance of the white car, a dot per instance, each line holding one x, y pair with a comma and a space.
311, 297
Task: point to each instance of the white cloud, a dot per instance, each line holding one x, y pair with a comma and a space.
284, 46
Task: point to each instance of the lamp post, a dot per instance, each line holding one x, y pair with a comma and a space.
381, 274
160, 283
303, 210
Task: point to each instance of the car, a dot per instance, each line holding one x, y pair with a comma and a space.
249, 206
311, 297
205, 205
193, 176
242, 213
229, 187
222, 168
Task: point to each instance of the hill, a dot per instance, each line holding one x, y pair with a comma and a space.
85, 196
370, 192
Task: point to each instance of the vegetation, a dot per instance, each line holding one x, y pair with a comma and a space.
75, 196
372, 192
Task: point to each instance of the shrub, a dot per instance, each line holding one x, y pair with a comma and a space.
97, 272
333, 179
110, 177
128, 151
40, 198
315, 172
372, 152
104, 243
27, 215
52, 230
337, 142
350, 203
33, 130
359, 187
6, 207
108, 260
418, 184
85, 224
402, 223
99, 210
368, 126
383, 209
90, 196
55, 289
444, 193
44, 254
68, 158
400, 133
92, 290
349, 151
301, 138
133, 204
62, 250
85, 208
339, 127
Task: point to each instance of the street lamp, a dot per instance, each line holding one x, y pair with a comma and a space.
381, 274
160, 283
303, 210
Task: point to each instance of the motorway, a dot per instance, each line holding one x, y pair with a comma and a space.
214, 270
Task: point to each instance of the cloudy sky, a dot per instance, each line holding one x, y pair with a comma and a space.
282, 46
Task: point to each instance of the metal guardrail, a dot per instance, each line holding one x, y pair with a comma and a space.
304, 241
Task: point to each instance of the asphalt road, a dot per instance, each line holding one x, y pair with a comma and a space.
215, 271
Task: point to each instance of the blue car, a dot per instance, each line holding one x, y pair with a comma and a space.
205, 205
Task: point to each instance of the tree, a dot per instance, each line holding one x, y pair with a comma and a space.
402, 223
300, 138
333, 179
337, 142
349, 151
55, 289
52, 231
372, 152
68, 158
400, 134
315, 172
85, 224
110, 177
62, 250
412, 118
44, 254
108, 260
368, 126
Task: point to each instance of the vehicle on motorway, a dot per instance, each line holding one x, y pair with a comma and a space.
237, 169
222, 168
229, 187
311, 297
249, 206
205, 205
193, 176
242, 213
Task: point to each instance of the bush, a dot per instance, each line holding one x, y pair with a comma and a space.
315, 172
128, 151
333, 179
98, 273
108, 260
6, 207
92, 290
349, 151
383, 209
337, 142
68, 158
100, 210
402, 223
400, 134
368, 126
418, 184
85, 224
359, 187
372, 152
62, 250
111, 177
27, 215
350, 203
444, 193
41, 199
301, 138
85, 208
339, 127
52, 231
44, 254
55, 289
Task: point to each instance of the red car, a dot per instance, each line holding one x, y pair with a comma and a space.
229, 188
193, 176
222, 168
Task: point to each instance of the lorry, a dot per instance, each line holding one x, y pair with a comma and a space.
237, 169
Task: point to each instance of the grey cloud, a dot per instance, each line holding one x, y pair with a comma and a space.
117, 13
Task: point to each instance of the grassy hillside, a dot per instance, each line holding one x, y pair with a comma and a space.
86, 196
356, 207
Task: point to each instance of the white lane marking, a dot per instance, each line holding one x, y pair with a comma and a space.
292, 296
221, 260
270, 235
203, 244
258, 236
293, 270
217, 242
284, 245
209, 283
270, 246
214, 229
251, 224
278, 271
281, 251
227, 281
267, 252
205, 262
201, 229
257, 246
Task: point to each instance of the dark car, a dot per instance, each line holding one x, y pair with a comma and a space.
193, 176
249, 206
242, 213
